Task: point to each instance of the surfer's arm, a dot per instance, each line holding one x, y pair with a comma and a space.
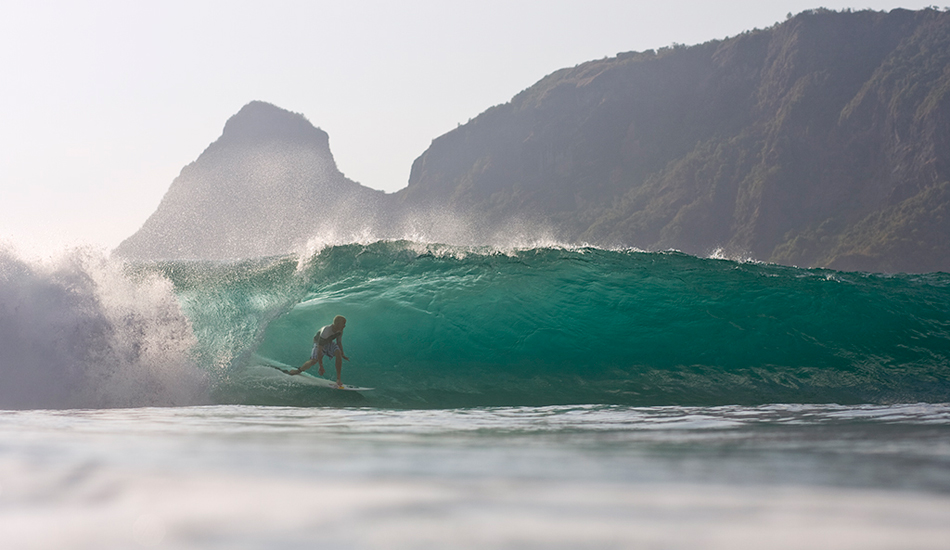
339, 342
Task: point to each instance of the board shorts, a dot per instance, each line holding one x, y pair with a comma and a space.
329, 350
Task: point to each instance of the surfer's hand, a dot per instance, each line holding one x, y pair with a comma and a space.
321, 370
347, 358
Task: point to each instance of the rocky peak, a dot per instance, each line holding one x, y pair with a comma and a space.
259, 122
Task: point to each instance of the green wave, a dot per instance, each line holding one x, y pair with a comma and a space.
439, 326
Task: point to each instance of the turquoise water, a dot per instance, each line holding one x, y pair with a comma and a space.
436, 326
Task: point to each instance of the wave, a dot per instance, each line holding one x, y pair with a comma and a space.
441, 326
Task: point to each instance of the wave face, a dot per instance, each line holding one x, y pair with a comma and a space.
439, 326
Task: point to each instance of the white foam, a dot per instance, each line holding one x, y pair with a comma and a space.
77, 331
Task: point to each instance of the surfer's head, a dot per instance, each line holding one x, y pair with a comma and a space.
339, 322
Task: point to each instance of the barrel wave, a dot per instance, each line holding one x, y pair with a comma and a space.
441, 326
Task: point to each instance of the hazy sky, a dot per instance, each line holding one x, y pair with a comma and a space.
104, 102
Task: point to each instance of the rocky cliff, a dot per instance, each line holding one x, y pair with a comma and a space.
822, 141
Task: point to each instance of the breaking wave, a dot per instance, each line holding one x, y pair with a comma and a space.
445, 326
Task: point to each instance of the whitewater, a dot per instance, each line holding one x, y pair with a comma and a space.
524, 397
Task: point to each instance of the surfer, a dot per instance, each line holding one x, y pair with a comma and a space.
327, 341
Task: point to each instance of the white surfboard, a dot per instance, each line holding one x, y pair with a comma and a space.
310, 380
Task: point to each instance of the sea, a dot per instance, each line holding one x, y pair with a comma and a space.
524, 397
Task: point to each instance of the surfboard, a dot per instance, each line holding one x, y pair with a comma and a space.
309, 379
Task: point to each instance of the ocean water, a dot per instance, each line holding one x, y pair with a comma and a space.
565, 476
538, 397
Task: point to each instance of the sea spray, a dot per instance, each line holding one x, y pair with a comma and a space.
77, 331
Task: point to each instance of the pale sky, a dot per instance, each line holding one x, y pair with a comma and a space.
102, 103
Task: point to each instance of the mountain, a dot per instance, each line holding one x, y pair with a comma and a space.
264, 187
822, 141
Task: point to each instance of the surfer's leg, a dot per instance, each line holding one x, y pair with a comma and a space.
303, 367
332, 350
339, 365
